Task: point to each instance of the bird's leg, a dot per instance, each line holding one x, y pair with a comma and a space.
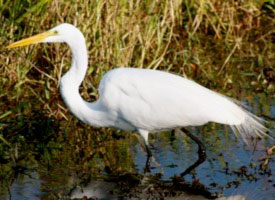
145, 147
148, 160
144, 137
201, 152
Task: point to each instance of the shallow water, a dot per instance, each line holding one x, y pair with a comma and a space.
230, 168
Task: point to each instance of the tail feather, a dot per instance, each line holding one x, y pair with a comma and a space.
251, 127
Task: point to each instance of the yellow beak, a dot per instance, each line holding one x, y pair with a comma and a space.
32, 40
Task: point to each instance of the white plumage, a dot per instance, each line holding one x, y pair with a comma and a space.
152, 101
144, 100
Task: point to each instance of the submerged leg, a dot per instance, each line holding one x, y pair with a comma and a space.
144, 136
148, 160
201, 152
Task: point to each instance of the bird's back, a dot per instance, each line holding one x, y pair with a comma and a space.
154, 100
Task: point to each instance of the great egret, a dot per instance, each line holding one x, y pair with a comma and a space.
144, 100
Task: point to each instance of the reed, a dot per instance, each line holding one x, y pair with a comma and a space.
220, 44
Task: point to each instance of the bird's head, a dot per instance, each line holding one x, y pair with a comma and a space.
61, 33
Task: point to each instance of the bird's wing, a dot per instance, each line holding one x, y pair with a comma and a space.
152, 100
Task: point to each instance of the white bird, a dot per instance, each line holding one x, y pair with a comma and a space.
143, 100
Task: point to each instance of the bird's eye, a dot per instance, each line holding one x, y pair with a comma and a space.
55, 32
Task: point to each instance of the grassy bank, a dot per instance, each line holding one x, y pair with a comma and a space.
222, 45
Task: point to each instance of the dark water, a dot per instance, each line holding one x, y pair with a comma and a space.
228, 159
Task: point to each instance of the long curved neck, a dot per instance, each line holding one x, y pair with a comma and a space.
79, 64
73, 78
69, 87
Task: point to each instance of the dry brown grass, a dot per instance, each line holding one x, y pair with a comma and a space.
210, 41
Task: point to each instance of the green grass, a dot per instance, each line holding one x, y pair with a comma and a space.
209, 41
